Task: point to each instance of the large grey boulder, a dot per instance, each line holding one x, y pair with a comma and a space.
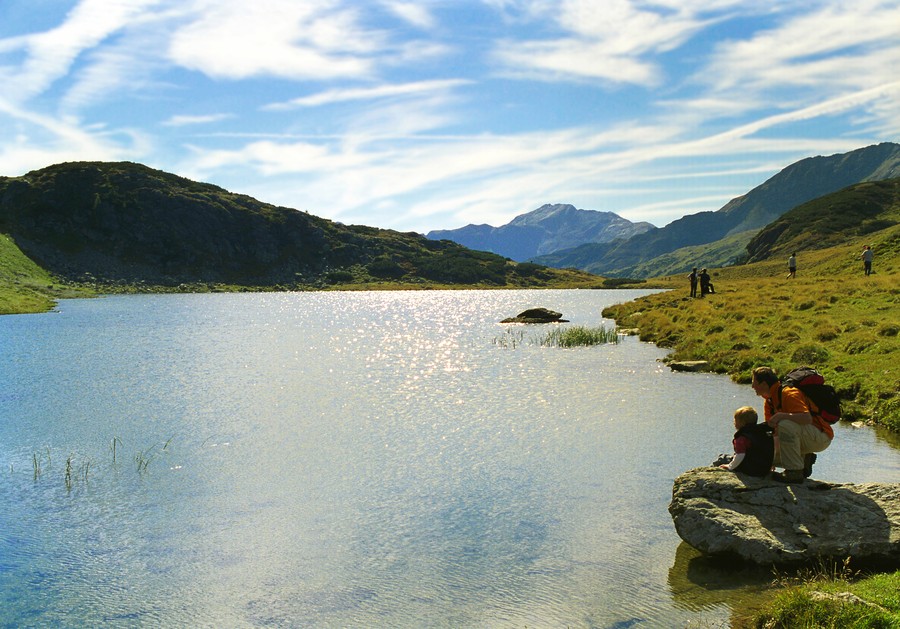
765, 522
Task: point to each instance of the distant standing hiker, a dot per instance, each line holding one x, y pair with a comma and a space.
867, 256
704, 282
792, 266
693, 278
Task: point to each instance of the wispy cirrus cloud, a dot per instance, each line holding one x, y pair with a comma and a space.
617, 41
832, 47
344, 95
185, 120
49, 55
426, 114
411, 12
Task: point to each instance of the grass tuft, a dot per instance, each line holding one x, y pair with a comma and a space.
579, 336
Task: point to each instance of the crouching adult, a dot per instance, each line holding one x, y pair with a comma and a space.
800, 431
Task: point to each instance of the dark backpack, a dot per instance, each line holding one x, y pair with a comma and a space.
813, 386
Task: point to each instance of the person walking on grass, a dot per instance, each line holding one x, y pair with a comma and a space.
800, 432
792, 266
867, 256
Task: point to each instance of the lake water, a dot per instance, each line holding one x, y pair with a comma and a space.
390, 459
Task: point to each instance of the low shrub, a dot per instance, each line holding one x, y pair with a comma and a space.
529, 269
889, 414
810, 355
339, 277
616, 282
827, 333
384, 267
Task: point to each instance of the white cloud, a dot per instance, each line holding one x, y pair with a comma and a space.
281, 38
184, 120
421, 123
839, 45
613, 40
268, 158
51, 54
411, 12
42, 140
368, 93
568, 59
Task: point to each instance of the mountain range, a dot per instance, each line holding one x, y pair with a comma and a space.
714, 238
550, 228
121, 223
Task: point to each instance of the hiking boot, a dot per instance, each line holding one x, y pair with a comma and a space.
789, 476
808, 461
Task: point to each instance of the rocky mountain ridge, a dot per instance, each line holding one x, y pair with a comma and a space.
798, 183
549, 228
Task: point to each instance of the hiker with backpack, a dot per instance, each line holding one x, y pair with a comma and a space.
800, 429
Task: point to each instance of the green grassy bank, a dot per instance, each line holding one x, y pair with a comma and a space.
25, 287
830, 316
834, 601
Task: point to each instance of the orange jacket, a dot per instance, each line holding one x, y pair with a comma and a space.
793, 401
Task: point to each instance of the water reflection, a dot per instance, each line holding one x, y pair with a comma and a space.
368, 459
700, 583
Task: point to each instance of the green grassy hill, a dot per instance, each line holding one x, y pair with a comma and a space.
124, 226
26, 287
861, 210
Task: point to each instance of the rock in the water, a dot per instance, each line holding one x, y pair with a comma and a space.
536, 315
689, 365
766, 522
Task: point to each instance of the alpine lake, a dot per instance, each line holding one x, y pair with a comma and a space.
363, 459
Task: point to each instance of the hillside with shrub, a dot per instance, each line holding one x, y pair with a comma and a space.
856, 211
126, 226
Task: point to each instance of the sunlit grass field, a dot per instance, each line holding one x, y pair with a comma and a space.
831, 316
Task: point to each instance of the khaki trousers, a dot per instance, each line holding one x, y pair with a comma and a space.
794, 441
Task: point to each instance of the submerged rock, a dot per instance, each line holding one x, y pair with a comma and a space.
689, 365
536, 315
766, 522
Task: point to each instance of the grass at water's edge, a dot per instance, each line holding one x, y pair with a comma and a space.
846, 327
835, 602
27, 288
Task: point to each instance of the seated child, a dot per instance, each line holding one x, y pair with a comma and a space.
754, 446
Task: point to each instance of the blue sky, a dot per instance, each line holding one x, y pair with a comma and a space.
432, 114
